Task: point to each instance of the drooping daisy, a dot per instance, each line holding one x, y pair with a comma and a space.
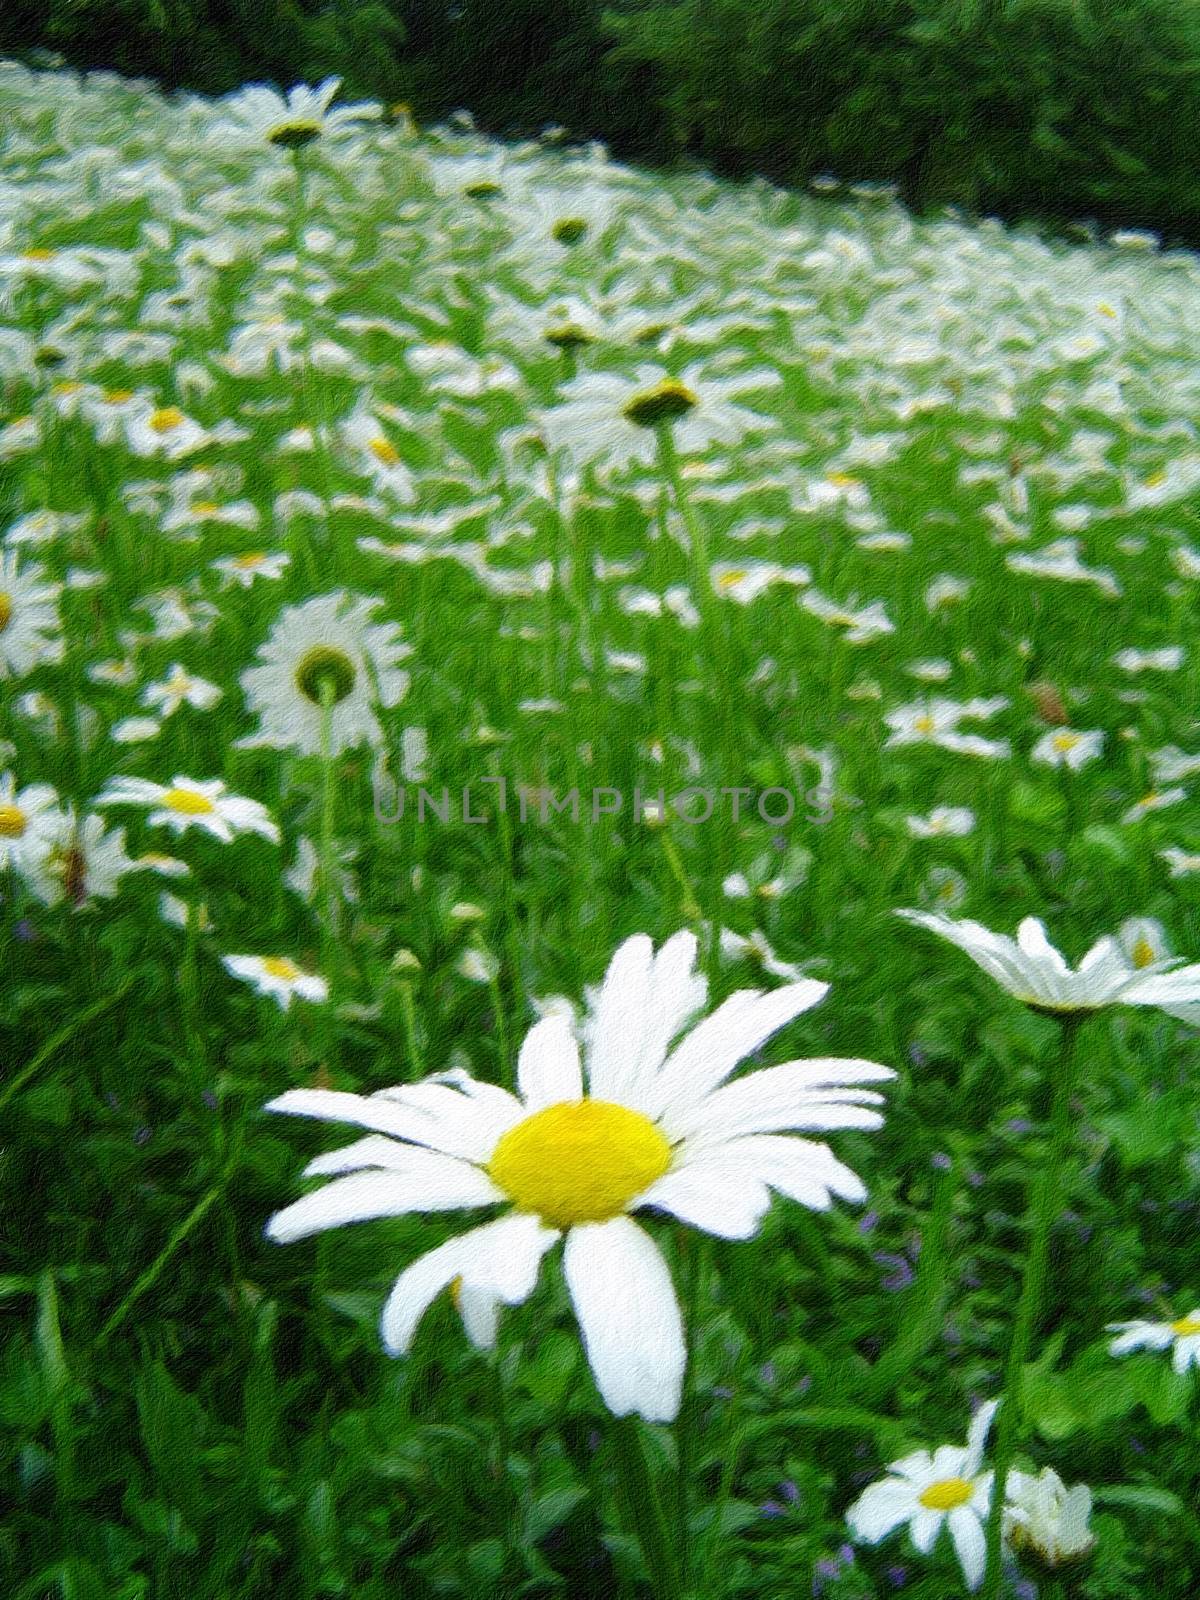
929, 1492
1068, 747
28, 818
1046, 1521
377, 456
29, 623
327, 646
1034, 972
192, 803
1154, 800
650, 1122
277, 976
1181, 1337
82, 861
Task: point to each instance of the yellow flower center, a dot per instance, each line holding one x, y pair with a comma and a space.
296, 134
12, 822
1156, 480
384, 451
41, 254
1106, 310
67, 387
924, 724
6, 610
205, 508
1143, 953
730, 580
251, 559
166, 420
569, 230
1065, 741
188, 803
118, 397
324, 666
579, 1161
842, 480
946, 1494
1185, 1326
280, 967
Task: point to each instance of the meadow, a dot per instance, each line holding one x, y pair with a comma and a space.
490, 639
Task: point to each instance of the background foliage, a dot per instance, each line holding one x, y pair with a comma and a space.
1059, 108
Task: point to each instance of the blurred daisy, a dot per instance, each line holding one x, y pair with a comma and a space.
1068, 747
294, 120
180, 688
861, 623
162, 431
1181, 1337
936, 722
28, 820
756, 949
1031, 970
1180, 863
192, 803
327, 646
1169, 659
943, 822
377, 456
578, 1148
83, 861
240, 571
29, 624
1154, 800
612, 420
278, 977
1046, 1521
929, 1492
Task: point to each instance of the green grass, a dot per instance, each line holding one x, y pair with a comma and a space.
187, 1409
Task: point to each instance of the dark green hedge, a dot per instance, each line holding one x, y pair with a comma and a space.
1058, 108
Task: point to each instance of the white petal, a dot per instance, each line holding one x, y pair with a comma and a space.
548, 1068
879, 1508
628, 1316
924, 1529
977, 1434
719, 1197
439, 1185
809, 1095
969, 1543
499, 1260
707, 1055
616, 1026
1032, 942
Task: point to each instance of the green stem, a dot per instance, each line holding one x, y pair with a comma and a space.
326, 845
929, 1293
646, 1510
56, 1041
408, 1012
1043, 1208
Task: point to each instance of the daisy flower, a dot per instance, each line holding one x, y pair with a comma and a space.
240, 571
192, 803
1068, 747
614, 421
1031, 970
377, 456
1154, 800
943, 822
642, 1117
936, 722
162, 431
1180, 863
1181, 1337
28, 818
327, 645
929, 1492
1045, 1520
180, 688
82, 861
291, 122
277, 976
29, 623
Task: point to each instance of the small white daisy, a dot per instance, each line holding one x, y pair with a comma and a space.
277, 976
1068, 747
1181, 1337
192, 803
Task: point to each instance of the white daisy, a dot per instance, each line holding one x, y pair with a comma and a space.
943, 822
325, 646
277, 976
291, 122
28, 819
162, 431
83, 861
1068, 747
1045, 1520
377, 456
192, 803
1181, 1337
1033, 971
1180, 863
179, 688
1154, 800
651, 1121
1168, 659
29, 623
929, 1492
936, 722
241, 570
